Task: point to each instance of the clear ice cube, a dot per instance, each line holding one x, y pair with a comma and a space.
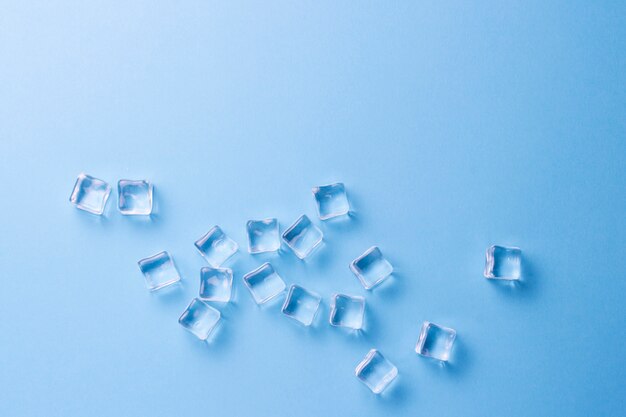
331, 200
303, 237
159, 271
264, 283
199, 318
347, 311
301, 305
503, 262
216, 284
371, 268
90, 194
134, 197
216, 247
435, 341
263, 235
376, 371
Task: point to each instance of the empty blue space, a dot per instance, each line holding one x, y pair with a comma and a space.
453, 125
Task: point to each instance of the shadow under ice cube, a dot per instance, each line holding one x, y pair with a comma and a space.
503, 262
199, 318
301, 305
371, 268
435, 341
90, 194
159, 271
376, 371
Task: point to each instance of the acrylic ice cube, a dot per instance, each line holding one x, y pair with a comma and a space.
347, 311
264, 283
159, 271
216, 247
134, 197
331, 200
303, 237
216, 284
263, 235
90, 194
371, 268
503, 262
376, 371
435, 341
199, 318
301, 305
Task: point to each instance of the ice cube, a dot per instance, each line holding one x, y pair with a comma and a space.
347, 311
216, 247
216, 284
134, 197
503, 262
263, 235
303, 237
371, 268
331, 200
199, 318
264, 283
90, 194
376, 371
159, 271
435, 341
301, 305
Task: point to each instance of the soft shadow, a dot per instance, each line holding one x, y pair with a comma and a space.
391, 287
395, 394
172, 294
460, 359
524, 289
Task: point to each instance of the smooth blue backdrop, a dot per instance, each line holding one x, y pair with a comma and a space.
454, 126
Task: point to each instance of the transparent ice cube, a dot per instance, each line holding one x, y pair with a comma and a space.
263, 235
503, 262
331, 200
134, 197
90, 194
435, 341
216, 284
264, 283
371, 268
347, 311
376, 371
159, 271
216, 247
303, 237
199, 318
301, 305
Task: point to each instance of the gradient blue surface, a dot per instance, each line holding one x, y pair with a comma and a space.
454, 126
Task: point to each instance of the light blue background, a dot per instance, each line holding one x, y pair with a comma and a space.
454, 126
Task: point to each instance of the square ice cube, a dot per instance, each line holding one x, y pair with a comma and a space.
159, 271
503, 262
263, 235
90, 194
301, 305
199, 318
216, 247
303, 237
371, 268
376, 371
216, 284
264, 283
347, 311
331, 200
134, 197
435, 341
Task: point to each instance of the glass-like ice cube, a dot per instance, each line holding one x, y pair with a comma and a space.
371, 268
90, 194
159, 271
331, 200
435, 341
303, 237
199, 318
216, 247
263, 235
216, 284
264, 283
503, 262
376, 371
301, 305
347, 311
134, 197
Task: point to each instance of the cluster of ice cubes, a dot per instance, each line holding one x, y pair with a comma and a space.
264, 283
